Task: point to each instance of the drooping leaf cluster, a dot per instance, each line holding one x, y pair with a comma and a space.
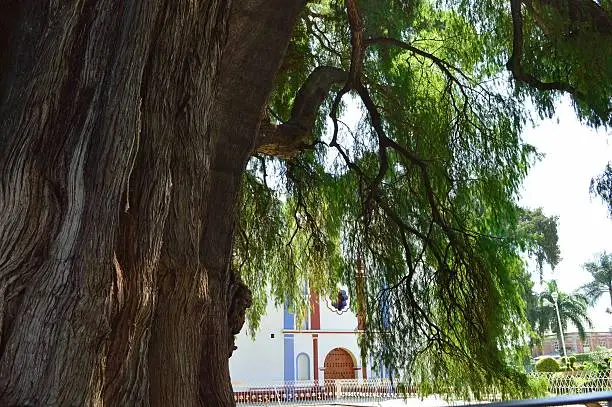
602, 186
570, 42
287, 238
552, 47
421, 191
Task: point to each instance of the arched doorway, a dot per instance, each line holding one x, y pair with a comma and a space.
339, 365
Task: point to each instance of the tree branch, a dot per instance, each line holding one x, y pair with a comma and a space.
357, 42
443, 65
514, 64
357, 28
288, 139
324, 42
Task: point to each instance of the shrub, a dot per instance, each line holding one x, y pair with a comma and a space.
538, 386
600, 360
567, 364
582, 357
547, 365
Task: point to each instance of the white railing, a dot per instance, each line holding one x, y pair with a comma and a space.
313, 392
575, 382
372, 390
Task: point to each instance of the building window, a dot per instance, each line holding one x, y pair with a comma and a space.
341, 301
303, 367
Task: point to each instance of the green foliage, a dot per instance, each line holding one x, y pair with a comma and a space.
547, 365
538, 385
566, 46
537, 235
596, 361
602, 187
599, 360
572, 307
582, 357
561, 50
422, 191
601, 271
540, 238
568, 364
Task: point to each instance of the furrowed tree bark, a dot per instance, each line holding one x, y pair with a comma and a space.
68, 132
125, 128
168, 188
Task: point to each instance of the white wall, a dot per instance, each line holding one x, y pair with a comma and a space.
261, 360
303, 344
331, 320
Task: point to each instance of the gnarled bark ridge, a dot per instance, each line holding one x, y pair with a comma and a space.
124, 131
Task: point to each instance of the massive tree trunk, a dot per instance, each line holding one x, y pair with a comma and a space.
124, 131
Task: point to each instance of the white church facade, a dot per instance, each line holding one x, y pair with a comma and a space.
325, 346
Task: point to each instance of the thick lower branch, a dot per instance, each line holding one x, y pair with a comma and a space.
288, 139
283, 141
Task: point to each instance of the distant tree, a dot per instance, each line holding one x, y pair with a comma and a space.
540, 237
537, 235
572, 308
601, 271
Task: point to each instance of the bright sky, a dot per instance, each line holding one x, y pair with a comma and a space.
559, 183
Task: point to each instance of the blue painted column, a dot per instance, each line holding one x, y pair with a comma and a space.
288, 345
289, 354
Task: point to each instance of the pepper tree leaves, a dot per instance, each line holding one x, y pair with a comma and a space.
428, 207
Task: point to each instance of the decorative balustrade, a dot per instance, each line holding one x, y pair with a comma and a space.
317, 392
371, 390
575, 382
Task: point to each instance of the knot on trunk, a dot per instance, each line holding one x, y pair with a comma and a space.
239, 300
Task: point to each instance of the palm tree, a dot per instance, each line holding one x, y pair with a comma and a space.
601, 271
572, 308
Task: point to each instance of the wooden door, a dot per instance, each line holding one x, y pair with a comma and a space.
339, 365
